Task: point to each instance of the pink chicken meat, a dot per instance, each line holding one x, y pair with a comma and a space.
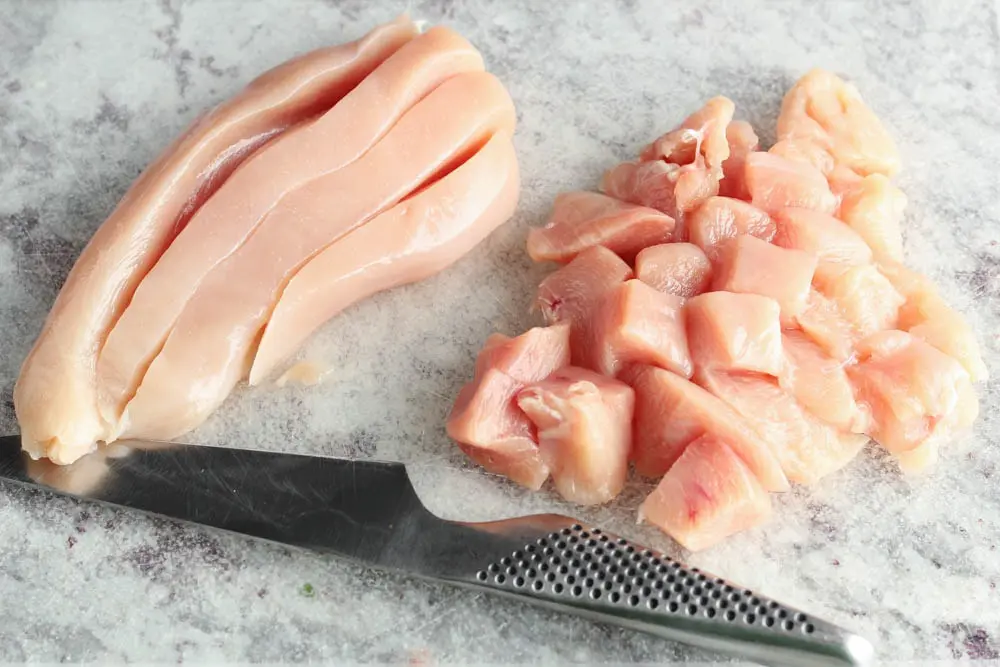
707, 495
770, 335
56, 395
300, 166
671, 413
681, 269
637, 324
210, 347
486, 420
415, 239
584, 423
580, 220
573, 294
402, 132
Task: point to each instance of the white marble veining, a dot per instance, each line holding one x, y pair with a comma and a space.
92, 90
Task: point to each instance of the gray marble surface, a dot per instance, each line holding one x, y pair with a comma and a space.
91, 90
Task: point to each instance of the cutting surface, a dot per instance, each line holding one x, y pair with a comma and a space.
91, 91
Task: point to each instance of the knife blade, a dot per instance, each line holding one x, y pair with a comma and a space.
368, 511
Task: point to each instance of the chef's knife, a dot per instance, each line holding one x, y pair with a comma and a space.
369, 512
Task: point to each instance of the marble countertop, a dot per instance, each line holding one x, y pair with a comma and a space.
91, 91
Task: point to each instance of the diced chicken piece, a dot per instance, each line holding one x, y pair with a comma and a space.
580, 220
415, 239
842, 181
920, 292
926, 315
702, 135
584, 423
734, 332
573, 293
671, 413
827, 326
865, 298
916, 393
681, 169
836, 245
748, 265
874, 209
486, 421
806, 152
824, 109
637, 324
306, 164
649, 184
722, 218
675, 268
819, 382
212, 344
948, 331
742, 141
694, 186
528, 358
708, 495
56, 392
661, 185
776, 183
495, 433
808, 448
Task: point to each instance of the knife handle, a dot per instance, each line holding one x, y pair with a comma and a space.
587, 572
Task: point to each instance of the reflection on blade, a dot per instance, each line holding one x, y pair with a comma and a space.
352, 508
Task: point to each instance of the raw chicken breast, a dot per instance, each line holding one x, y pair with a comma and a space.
212, 345
827, 326
708, 495
806, 152
56, 392
584, 423
528, 358
573, 293
750, 266
671, 412
702, 136
820, 384
842, 180
675, 268
722, 218
808, 448
925, 314
492, 431
735, 332
580, 220
948, 331
649, 184
486, 421
824, 109
865, 298
309, 157
679, 170
916, 393
835, 244
637, 324
742, 141
776, 183
760, 340
873, 208
420, 236
921, 294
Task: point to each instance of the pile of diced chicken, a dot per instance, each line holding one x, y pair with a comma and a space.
728, 320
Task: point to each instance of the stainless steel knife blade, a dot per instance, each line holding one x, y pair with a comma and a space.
368, 511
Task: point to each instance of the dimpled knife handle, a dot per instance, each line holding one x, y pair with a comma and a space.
587, 572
